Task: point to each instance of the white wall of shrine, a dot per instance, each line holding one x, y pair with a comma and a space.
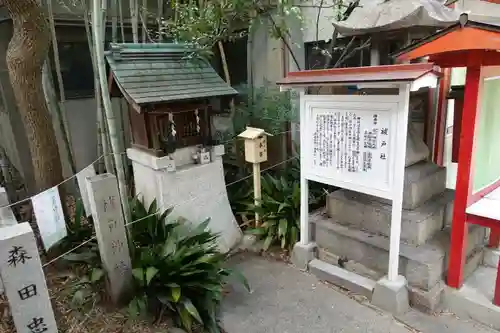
196, 191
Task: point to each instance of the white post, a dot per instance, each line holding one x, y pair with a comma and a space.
110, 233
305, 234
398, 185
24, 281
257, 190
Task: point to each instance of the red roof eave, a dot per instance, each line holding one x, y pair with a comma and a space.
352, 75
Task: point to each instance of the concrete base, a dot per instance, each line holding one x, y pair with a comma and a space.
392, 296
342, 278
491, 257
196, 191
474, 299
303, 254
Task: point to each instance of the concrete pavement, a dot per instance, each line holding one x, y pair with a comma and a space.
286, 300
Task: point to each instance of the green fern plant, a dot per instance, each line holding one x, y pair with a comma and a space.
177, 269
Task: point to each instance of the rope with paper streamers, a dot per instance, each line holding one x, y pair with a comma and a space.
177, 205
112, 154
130, 223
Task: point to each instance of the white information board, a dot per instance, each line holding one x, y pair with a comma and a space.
351, 141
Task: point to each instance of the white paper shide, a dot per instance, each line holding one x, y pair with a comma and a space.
49, 217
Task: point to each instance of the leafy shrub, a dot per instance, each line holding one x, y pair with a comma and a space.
79, 230
279, 210
176, 268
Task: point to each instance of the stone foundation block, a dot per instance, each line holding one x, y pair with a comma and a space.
362, 212
426, 301
423, 266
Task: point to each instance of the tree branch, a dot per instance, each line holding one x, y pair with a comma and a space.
348, 46
278, 30
353, 52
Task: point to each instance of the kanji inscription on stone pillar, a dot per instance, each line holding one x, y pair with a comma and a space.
24, 281
110, 233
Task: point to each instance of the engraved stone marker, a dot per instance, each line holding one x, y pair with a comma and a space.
80, 177
24, 281
110, 232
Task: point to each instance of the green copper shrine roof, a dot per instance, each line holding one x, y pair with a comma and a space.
163, 72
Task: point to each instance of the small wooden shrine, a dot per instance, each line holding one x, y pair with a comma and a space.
168, 90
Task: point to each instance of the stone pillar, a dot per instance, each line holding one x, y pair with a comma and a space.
111, 234
24, 281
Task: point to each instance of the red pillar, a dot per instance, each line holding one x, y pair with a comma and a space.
494, 241
464, 179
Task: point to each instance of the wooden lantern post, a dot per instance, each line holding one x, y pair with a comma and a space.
255, 153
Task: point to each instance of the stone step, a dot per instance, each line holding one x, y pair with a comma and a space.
423, 181
423, 265
361, 212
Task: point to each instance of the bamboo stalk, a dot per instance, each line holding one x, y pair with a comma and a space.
110, 116
134, 18
60, 108
159, 18
122, 24
107, 162
144, 19
114, 21
226, 73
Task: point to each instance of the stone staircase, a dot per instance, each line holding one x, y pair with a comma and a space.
353, 232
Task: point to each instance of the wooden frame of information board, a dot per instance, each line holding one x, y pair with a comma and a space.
393, 112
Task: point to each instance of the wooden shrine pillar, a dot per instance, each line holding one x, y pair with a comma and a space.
464, 179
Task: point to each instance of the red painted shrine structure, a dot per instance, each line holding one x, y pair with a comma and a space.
474, 45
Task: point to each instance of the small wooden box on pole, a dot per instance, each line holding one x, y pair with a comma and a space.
255, 153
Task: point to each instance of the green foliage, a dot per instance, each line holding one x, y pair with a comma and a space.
79, 230
280, 212
204, 23
86, 288
176, 268
265, 107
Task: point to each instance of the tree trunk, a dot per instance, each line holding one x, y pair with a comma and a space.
110, 116
59, 109
26, 55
